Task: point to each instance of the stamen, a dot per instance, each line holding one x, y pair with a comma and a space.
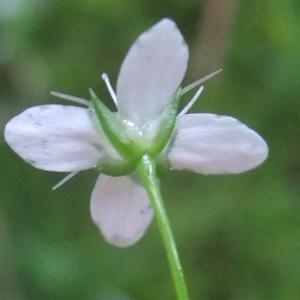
192, 101
65, 179
77, 100
199, 82
109, 87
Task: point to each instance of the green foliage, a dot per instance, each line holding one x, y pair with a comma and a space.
238, 236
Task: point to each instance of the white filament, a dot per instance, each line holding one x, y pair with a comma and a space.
192, 101
65, 179
75, 99
199, 82
109, 87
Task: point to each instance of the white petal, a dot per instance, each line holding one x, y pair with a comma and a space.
55, 138
121, 210
212, 144
151, 72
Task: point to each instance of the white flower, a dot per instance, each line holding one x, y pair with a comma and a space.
66, 138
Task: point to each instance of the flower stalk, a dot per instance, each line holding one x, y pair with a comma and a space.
147, 174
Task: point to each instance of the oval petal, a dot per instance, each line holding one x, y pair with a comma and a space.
212, 144
55, 138
151, 73
121, 210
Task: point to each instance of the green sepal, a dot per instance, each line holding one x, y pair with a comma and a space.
167, 125
121, 169
114, 130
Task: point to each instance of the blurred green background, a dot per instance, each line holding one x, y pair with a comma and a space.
238, 236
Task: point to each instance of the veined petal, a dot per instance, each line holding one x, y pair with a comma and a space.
212, 144
151, 73
58, 138
121, 210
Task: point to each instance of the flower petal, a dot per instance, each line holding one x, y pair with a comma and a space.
121, 210
212, 144
55, 138
151, 73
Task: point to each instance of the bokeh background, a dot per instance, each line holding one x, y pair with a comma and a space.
238, 236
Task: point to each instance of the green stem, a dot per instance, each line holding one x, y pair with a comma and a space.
147, 172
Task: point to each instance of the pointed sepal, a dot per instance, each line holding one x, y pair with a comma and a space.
167, 126
114, 130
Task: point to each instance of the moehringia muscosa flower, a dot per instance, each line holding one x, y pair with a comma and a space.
68, 138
